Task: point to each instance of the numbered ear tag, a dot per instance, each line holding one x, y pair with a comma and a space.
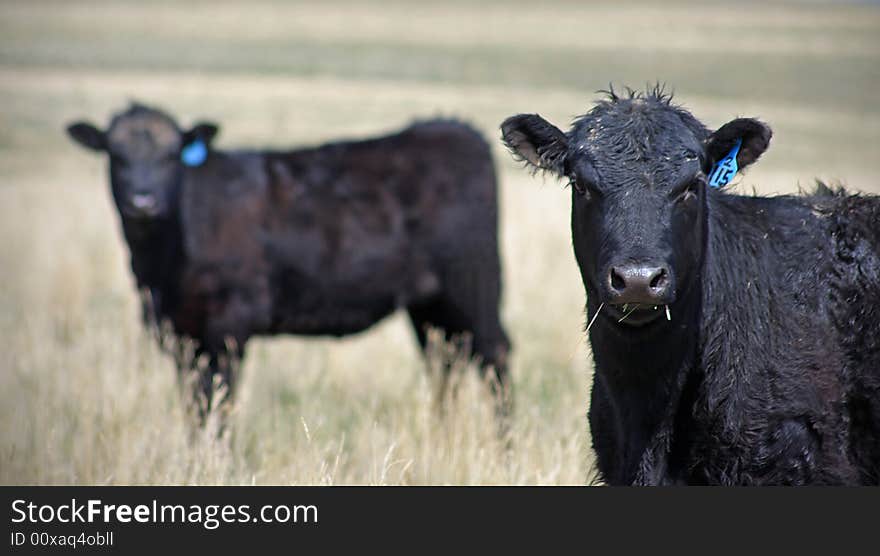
726, 168
195, 153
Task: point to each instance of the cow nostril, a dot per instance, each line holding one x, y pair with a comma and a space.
660, 279
617, 281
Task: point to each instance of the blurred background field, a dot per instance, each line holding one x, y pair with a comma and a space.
86, 397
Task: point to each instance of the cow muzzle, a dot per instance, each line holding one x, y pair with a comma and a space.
639, 293
143, 205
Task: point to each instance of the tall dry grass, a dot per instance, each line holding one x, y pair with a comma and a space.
89, 398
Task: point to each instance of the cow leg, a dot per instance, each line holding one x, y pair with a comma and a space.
492, 347
472, 287
209, 379
486, 340
423, 317
218, 381
231, 319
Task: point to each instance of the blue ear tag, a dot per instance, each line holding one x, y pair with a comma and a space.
195, 153
726, 168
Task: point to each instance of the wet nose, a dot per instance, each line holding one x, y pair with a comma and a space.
144, 202
647, 284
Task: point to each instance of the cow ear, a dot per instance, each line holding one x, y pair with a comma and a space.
204, 131
755, 136
535, 140
88, 136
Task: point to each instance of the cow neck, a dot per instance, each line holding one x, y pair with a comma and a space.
155, 249
644, 372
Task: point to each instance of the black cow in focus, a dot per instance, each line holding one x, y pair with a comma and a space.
736, 339
316, 241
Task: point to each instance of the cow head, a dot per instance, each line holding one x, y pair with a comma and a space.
145, 147
637, 166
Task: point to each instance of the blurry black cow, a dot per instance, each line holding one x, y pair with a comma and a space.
316, 241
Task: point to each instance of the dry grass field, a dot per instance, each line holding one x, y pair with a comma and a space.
85, 395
